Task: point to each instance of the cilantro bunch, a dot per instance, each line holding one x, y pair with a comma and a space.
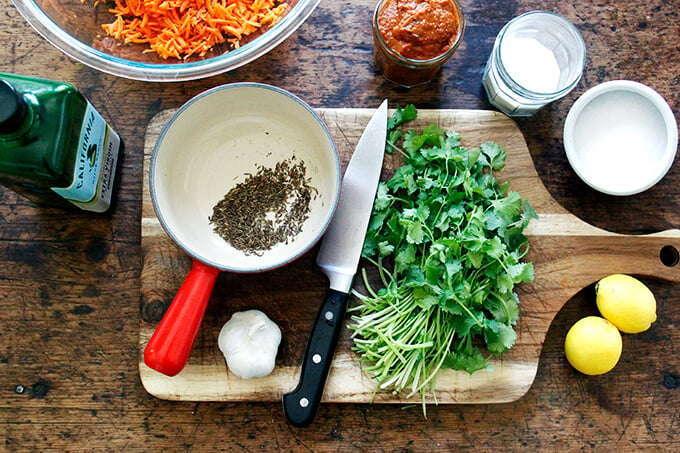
447, 240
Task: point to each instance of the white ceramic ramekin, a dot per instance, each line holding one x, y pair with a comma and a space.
621, 137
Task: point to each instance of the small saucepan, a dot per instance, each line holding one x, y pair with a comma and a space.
214, 142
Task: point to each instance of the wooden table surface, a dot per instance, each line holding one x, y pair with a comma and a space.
70, 281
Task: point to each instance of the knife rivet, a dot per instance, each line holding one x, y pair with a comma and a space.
316, 358
304, 402
328, 315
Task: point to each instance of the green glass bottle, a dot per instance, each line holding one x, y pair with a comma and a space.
53, 141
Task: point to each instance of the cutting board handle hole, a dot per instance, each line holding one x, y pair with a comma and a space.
669, 256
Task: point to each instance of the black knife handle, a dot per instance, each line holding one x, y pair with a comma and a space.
302, 404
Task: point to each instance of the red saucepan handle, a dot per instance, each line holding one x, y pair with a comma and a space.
170, 346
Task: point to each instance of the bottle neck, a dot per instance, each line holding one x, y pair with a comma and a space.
16, 115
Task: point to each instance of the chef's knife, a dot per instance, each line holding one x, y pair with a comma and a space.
338, 258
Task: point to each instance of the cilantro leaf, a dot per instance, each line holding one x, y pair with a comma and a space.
495, 155
402, 115
499, 337
467, 362
504, 309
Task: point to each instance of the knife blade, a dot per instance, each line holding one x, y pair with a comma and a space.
338, 258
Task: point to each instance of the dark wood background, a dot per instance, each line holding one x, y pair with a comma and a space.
70, 281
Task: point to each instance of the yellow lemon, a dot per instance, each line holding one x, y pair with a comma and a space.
626, 302
593, 345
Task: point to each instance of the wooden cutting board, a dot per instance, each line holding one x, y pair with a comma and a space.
567, 253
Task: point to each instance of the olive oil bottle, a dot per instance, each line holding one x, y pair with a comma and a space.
53, 141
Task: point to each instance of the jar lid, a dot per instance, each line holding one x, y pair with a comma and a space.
12, 108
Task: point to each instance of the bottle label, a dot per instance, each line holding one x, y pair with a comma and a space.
95, 164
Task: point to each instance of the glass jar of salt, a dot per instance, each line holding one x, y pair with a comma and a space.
537, 58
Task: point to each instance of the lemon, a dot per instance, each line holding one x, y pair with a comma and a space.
593, 345
626, 302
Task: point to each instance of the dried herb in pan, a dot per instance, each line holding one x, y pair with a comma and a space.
266, 209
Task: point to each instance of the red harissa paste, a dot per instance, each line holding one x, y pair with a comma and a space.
419, 29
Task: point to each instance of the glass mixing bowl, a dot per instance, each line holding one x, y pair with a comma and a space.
75, 27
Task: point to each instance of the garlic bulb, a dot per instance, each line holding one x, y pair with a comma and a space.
250, 342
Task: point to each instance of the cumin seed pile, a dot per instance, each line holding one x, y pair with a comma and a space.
266, 209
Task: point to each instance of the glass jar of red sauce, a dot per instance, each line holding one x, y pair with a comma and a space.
413, 38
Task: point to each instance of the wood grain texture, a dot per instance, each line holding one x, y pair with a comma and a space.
70, 282
560, 247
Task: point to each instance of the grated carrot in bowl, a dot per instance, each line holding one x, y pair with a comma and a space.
182, 28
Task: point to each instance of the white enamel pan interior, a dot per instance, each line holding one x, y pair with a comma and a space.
213, 142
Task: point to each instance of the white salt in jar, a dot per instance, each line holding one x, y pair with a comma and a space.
537, 58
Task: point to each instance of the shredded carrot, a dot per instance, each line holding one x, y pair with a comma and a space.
181, 28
